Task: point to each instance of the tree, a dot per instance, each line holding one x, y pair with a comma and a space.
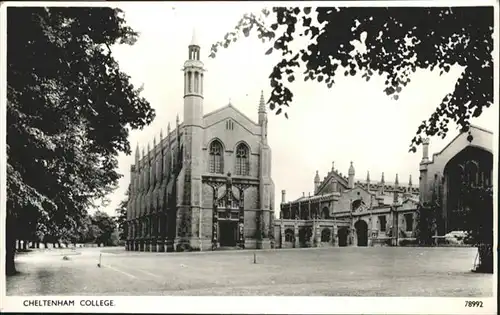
428, 219
69, 112
477, 215
121, 218
106, 226
394, 42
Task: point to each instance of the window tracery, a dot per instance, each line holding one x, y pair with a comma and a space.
242, 160
216, 158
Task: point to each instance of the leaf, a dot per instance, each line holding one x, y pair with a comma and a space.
278, 111
291, 78
269, 51
397, 44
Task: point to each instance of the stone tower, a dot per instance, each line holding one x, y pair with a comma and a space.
189, 199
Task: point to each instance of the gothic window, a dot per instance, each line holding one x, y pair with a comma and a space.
242, 160
383, 223
325, 235
172, 157
409, 222
216, 158
289, 235
325, 214
356, 204
472, 173
286, 214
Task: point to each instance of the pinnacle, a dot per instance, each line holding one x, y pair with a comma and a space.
194, 39
262, 103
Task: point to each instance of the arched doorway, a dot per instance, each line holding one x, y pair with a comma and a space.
361, 232
289, 236
343, 232
325, 235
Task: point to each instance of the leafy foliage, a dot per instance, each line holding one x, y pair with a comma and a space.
395, 42
477, 213
428, 219
69, 113
105, 227
121, 217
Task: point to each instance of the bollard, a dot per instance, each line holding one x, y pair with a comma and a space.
99, 264
254, 258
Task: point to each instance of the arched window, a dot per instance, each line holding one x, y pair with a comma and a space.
325, 235
325, 214
289, 235
356, 204
286, 213
242, 159
201, 83
472, 172
172, 162
196, 82
190, 83
216, 158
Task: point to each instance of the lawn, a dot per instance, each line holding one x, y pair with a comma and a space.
372, 271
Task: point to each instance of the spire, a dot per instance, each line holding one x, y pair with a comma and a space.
316, 178
161, 134
368, 176
409, 182
194, 39
137, 150
333, 166
262, 103
382, 180
143, 153
168, 129
154, 142
262, 110
149, 149
177, 120
396, 182
350, 174
351, 169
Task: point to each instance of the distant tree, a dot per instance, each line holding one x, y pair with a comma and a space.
121, 217
69, 112
395, 42
106, 225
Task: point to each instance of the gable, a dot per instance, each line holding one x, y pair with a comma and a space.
482, 138
326, 186
229, 111
408, 204
348, 199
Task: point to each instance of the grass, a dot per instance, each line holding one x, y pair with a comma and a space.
382, 271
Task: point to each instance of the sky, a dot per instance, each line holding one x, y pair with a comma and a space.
352, 121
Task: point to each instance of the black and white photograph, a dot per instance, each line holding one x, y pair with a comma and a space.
249, 157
